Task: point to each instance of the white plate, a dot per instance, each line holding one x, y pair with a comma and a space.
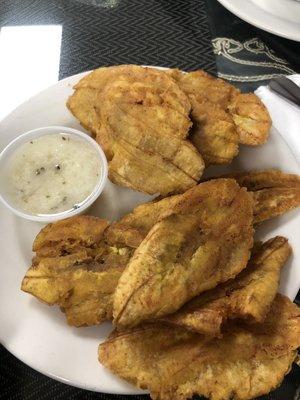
37, 334
281, 17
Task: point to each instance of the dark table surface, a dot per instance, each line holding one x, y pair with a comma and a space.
187, 34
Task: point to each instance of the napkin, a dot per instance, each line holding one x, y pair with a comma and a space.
286, 119
285, 116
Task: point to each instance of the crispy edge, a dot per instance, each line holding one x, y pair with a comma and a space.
82, 230
248, 296
274, 192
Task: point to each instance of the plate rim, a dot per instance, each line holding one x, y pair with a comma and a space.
236, 7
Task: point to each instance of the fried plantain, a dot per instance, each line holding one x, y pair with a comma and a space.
76, 269
249, 295
175, 364
141, 119
206, 240
274, 191
223, 117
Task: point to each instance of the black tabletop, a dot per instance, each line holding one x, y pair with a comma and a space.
187, 34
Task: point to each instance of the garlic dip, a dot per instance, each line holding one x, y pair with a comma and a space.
53, 173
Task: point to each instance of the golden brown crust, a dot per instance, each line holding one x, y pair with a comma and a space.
140, 116
174, 364
94, 237
150, 172
271, 203
223, 117
69, 235
265, 179
134, 227
141, 119
214, 133
249, 295
76, 269
274, 191
206, 87
185, 253
251, 118
78, 283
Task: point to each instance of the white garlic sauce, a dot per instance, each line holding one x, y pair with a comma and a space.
53, 173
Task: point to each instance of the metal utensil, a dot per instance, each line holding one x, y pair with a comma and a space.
286, 88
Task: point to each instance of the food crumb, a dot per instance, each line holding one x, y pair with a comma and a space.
39, 170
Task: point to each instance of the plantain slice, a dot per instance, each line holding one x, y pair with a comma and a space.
175, 364
76, 269
206, 240
249, 295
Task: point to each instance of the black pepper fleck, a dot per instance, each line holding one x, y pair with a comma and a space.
31, 142
76, 206
48, 196
63, 138
57, 166
64, 182
39, 170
